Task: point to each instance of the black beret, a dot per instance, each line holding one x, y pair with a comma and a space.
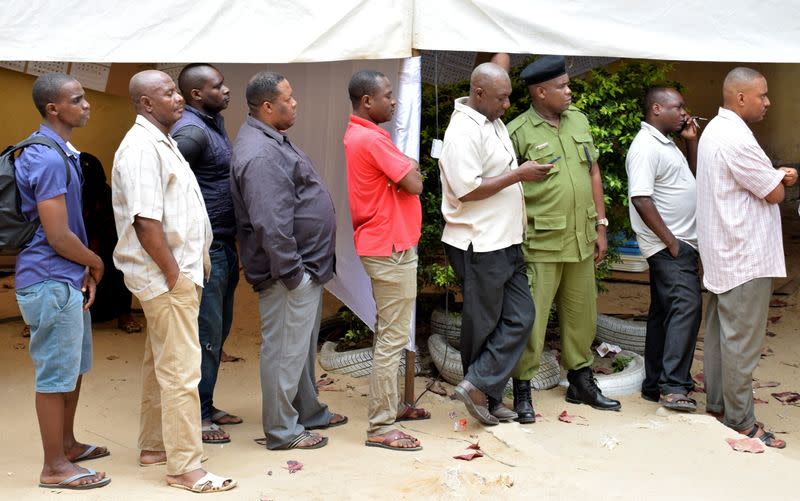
544, 69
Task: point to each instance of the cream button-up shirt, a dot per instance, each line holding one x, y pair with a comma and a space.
151, 179
474, 148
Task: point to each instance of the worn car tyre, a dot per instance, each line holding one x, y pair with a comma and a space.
627, 334
626, 382
447, 324
448, 362
354, 363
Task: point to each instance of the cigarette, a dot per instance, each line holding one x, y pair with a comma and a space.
695, 119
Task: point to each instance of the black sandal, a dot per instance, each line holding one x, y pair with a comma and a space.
678, 402
768, 438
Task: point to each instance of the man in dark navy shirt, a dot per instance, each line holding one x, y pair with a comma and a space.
56, 277
201, 138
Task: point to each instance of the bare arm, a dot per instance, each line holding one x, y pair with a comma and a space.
775, 196
652, 218
529, 171
53, 216
601, 247
412, 182
150, 233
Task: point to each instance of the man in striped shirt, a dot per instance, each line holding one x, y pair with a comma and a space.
739, 236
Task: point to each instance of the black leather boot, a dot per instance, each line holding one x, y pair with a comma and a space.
499, 410
583, 389
523, 403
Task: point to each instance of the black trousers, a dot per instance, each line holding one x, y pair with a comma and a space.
675, 314
497, 316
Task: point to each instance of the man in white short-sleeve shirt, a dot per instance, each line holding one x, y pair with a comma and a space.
662, 193
739, 236
483, 208
164, 237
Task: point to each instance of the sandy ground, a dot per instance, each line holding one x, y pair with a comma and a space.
659, 455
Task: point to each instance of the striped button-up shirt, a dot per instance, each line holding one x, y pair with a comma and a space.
151, 179
738, 232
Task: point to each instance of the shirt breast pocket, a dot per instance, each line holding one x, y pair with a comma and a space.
543, 156
585, 148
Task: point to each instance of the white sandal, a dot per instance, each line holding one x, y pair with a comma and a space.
209, 483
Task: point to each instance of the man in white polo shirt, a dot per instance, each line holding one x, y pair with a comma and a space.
741, 246
662, 192
484, 212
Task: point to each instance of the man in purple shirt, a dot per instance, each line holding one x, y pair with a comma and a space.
286, 226
56, 277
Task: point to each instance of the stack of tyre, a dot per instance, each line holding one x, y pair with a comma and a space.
354, 363
444, 344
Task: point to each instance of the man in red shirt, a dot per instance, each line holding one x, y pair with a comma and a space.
384, 187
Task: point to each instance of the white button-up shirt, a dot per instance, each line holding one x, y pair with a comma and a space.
738, 232
475, 148
151, 179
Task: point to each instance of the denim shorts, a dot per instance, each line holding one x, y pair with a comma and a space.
61, 334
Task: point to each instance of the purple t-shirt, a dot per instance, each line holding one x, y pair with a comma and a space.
41, 175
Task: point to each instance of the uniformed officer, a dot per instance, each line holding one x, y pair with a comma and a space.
566, 232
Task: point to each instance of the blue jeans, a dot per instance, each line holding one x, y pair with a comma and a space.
216, 316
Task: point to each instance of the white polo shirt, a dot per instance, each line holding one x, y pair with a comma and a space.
657, 169
739, 232
475, 148
151, 179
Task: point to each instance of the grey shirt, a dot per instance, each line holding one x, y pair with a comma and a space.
285, 217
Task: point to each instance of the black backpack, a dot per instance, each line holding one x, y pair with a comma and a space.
15, 229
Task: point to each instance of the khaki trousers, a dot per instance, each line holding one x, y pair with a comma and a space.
736, 323
170, 415
394, 286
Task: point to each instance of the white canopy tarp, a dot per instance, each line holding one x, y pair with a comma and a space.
220, 31
281, 31
689, 30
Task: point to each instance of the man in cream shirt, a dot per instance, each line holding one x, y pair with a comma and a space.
484, 212
164, 237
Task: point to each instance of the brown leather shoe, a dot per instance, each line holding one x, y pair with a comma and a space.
476, 402
498, 409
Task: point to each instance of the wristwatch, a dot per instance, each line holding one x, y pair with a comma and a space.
602, 221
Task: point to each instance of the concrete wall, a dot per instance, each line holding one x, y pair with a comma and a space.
112, 116
777, 133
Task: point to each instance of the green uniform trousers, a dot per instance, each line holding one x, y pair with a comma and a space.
572, 287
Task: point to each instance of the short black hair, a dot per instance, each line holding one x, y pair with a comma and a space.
363, 83
263, 86
655, 95
192, 76
47, 89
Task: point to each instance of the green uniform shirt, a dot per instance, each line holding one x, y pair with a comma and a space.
560, 208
